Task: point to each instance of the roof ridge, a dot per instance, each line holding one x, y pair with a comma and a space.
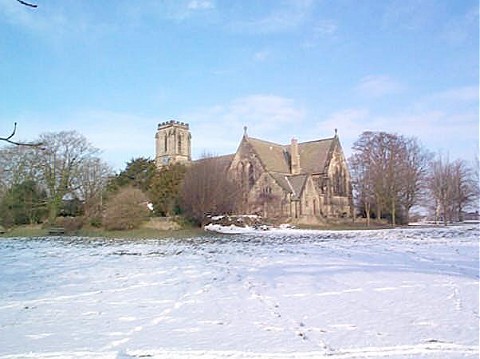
311, 141
263, 141
320, 140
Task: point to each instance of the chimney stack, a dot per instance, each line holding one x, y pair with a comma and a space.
295, 157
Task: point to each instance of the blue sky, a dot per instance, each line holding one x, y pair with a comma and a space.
112, 70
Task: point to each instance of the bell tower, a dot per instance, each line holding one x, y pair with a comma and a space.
172, 143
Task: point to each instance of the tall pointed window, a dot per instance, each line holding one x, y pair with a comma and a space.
166, 144
251, 175
179, 143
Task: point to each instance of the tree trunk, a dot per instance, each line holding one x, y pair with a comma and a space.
393, 213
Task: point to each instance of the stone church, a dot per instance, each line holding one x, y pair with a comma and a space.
304, 182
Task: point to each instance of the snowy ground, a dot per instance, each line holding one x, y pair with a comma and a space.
401, 293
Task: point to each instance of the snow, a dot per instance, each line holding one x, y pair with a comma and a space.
399, 293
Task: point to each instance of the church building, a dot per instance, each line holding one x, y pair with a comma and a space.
304, 182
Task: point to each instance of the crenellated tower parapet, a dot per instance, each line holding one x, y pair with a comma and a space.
172, 143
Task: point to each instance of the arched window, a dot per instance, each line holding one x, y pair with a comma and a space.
166, 144
179, 143
339, 187
251, 176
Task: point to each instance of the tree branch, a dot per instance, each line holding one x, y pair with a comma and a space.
8, 139
27, 4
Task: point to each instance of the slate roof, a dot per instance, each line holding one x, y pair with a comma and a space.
222, 161
273, 156
314, 155
297, 183
291, 184
314, 158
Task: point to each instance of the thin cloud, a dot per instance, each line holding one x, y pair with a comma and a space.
261, 56
30, 19
438, 129
378, 85
286, 16
119, 136
462, 28
219, 128
458, 94
325, 28
410, 14
322, 31
200, 5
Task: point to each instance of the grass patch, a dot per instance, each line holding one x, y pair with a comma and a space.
140, 233
26, 231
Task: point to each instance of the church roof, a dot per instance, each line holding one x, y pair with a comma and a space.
314, 155
291, 184
273, 156
223, 162
297, 184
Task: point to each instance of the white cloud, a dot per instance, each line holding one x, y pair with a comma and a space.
323, 30
410, 14
286, 16
219, 128
119, 136
200, 5
457, 94
31, 19
378, 85
261, 56
462, 28
438, 129
350, 123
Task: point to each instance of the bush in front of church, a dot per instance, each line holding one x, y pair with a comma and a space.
126, 210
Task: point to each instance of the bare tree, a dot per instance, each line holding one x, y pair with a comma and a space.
388, 173
463, 184
91, 182
413, 173
60, 163
370, 181
17, 164
452, 186
363, 186
208, 190
440, 187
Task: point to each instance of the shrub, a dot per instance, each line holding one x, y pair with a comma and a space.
70, 224
126, 210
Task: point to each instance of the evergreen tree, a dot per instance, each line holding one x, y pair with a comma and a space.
24, 203
138, 173
165, 189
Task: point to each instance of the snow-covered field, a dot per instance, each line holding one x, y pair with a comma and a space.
400, 293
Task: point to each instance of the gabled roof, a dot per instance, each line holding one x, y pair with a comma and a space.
273, 156
223, 162
291, 184
314, 155
298, 184
282, 181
